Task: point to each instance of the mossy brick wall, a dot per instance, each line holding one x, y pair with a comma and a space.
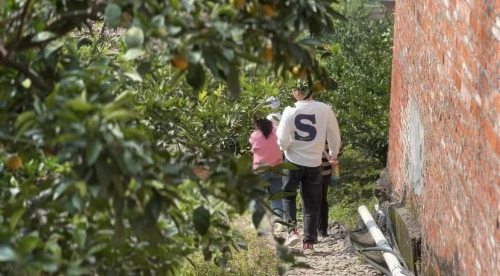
444, 155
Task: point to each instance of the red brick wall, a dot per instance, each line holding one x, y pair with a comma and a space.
444, 140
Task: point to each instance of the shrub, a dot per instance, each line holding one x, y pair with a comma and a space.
92, 118
360, 59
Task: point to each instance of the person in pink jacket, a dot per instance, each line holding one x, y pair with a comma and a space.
266, 152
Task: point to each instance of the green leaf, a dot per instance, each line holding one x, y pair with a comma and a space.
27, 244
242, 245
120, 115
53, 247
43, 36
14, 218
175, 4
243, 164
233, 81
207, 254
153, 207
76, 202
94, 148
82, 188
201, 220
24, 117
282, 269
80, 236
76, 271
7, 254
95, 249
258, 213
61, 188
124, 97
158, 21
84, 42
49, 265
79, 105
134, 76
326, 54
286, 166
310, 42
263, 183
112, 15
52, 47
281, 195
38, 25
170, 231
104, 174
133, 53
144, 68
195, 76
335, 14
28, 125
211, 62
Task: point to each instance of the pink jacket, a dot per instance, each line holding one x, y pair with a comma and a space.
265, 151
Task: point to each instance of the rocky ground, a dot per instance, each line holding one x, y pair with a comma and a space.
333, 256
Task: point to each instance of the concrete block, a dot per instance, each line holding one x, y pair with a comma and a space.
407, 234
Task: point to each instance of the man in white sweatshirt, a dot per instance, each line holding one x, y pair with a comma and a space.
301, 133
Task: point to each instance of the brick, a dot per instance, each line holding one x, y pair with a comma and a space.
459, 109
456, 79
497, 149
490, 135
496, 101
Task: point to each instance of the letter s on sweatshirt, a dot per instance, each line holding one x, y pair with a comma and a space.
308, 128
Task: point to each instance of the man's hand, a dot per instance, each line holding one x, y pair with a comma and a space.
331, 159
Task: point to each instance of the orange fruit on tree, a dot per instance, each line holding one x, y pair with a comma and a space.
13, 162
318, 86
299, 73
180, 62
202, 172
268, 52
269, 10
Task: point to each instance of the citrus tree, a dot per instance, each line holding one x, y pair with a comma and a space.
360, 59
123, 125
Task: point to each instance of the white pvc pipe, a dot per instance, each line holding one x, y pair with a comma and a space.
392, 262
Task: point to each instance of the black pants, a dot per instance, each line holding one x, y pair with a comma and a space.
309, 179
323, 214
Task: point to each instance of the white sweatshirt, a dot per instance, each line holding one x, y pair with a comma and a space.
303, 130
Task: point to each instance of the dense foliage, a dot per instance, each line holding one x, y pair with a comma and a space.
360, 60
118, 156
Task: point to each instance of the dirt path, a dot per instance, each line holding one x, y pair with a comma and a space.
332, 257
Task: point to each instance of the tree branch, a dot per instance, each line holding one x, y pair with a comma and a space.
60, 26
20, 30
3, 52
31, 74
